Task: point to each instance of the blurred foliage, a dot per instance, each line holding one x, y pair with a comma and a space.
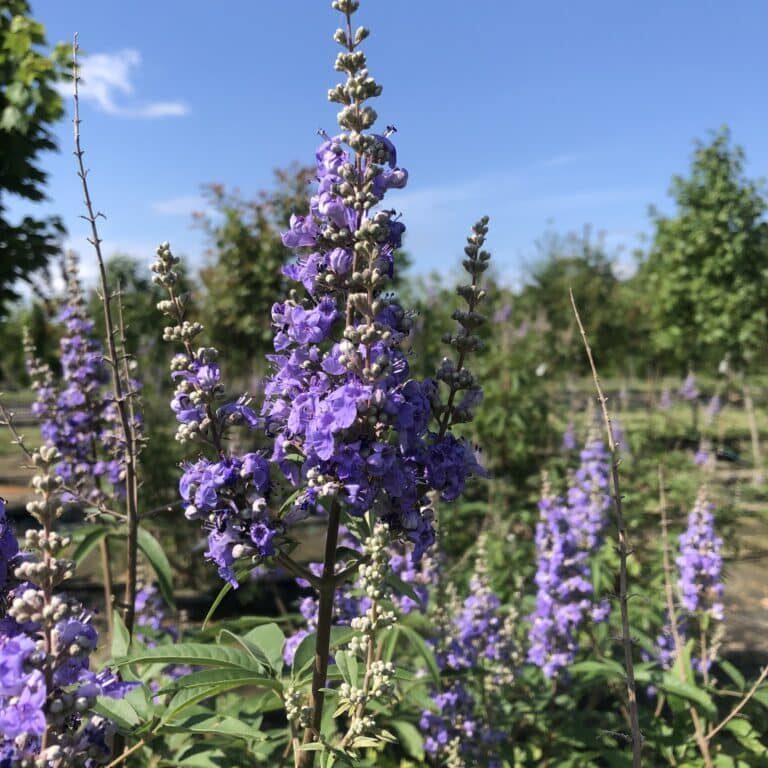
612, 308
244, 276
34, 316
138, 296
29, 106
708, 267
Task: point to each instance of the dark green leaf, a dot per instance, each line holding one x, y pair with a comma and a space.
157, 558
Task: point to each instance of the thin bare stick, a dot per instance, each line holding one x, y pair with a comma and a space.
132, 483
698, 728
623, 549
127, 753
121, 400
735, 711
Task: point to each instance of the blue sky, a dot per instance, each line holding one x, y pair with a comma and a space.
538, 113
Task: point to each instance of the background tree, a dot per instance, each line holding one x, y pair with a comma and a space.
246, 256
29, 105
144, 342
708, 266
581, 262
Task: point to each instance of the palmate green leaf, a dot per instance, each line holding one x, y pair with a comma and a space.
348, 666
733, 673
240, 574
256, 703
207, 759
270, 640
410, 738
89, 539
761, 697
210, 677
223, 592
672, 686
418, 643
305, 653
207, 677
189, 697
746, 734
212, 684
121, 640
119, 711
220, 725
401, 587
196, 654
254, 652
607, 669
141, 699
153, 551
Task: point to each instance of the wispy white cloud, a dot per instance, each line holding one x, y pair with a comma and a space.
107, 82
185, 205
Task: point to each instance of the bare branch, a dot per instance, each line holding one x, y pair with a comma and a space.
623, 548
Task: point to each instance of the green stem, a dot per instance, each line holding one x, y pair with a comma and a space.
327, 590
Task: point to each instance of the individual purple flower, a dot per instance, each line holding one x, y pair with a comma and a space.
714, 406
665, 401
569, 437
702, 456
689, 389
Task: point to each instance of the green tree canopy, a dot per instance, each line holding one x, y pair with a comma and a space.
580, 262
707, 271
29, 105
246, 255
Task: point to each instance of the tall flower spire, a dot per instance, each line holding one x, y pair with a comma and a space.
78, 416
700, 562
348, 424
568, 534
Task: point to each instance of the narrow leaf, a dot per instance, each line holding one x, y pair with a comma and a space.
157, 558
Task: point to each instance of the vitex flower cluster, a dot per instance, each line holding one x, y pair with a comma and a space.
714, 406
700, 562
78, 415
47, 688
569, 532
346, 420
700, 587
477, 653
229, 493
